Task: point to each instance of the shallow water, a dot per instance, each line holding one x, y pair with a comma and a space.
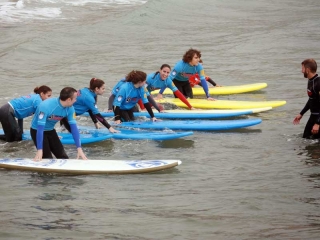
259, 182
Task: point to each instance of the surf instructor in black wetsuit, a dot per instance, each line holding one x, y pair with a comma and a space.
309, 70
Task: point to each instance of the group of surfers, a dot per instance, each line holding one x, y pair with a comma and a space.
134, 89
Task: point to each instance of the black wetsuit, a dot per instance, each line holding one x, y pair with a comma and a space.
313, 105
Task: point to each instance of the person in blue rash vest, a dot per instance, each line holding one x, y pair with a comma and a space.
42, 131
87, 102
129, 94
159, 80
116, 89
309, 70
20, 108
186, 68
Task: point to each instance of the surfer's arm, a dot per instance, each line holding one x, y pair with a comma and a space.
305, 109
153, 103
117, 116
110, 102
93, 117
105, 123
211, 81
182, 98
148, 107
162, 90
40, 130
75, 134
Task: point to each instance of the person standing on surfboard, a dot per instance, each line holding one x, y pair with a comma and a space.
20, 108
128, 96
309, 70
159, 80
42, 131
87, 102
195, 79
186, 68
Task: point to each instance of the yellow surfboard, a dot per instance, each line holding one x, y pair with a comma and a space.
222, 90
222, 104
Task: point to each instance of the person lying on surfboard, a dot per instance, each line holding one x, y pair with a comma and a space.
87, 102
195, 79
116, 89
184, 69
20, 108
159, 80
42, 131
128, 95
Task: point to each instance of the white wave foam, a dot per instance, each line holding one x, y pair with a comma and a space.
21, 10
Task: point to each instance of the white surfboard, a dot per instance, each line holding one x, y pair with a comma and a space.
76, 166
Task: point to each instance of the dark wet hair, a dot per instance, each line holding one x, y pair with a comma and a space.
42, 89
187, 57
66, 93
311, 64
162, 67
136, 76
95, 83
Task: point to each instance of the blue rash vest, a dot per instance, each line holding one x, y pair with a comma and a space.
49, 112
128, 96
86, 100
154, 82
25, 106
117, 87
182, 71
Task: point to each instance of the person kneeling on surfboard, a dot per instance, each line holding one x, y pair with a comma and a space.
184, 69
159, 80
129, 94
20, 108
87, 102
42, 131
116, 89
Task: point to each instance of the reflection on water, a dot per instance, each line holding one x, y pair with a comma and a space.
46, 179
313, 154
177, 143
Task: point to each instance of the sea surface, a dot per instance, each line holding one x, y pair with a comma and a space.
260, 182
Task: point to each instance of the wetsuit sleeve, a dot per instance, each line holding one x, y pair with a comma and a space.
182, 98
75, 134
153, 103
117, 113
40, 130
211, 81
203, 81
162, 90
102, 120
93, 117
148, 107
305, 109
141, 104
110, 102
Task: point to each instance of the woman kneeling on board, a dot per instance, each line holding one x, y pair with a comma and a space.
20, 108
129, 94
42, 131
87, 102
159, 80
186, 68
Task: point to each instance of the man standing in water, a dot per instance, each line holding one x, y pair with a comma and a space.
309, 70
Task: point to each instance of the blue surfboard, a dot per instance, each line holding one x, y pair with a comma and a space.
202, 114
193, 125
137, 134
67, 138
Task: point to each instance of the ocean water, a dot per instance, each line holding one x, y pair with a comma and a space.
260, 182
